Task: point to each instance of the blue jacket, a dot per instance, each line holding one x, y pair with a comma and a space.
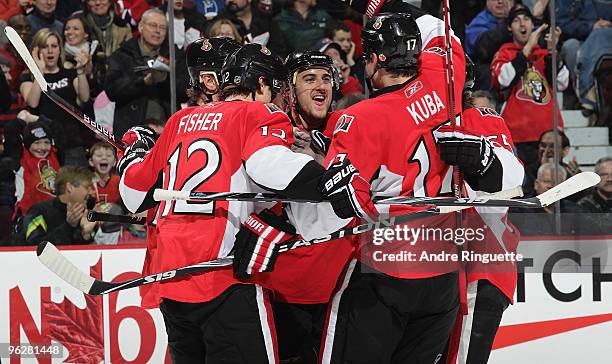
481, 23
576, 18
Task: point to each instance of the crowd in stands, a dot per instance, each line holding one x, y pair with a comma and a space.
109, 59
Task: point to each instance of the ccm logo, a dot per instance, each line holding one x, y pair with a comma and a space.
338, 177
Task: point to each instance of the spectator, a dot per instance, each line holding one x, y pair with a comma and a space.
341, 33
22, 26
600, 200
522, 72
494, 12
43, 16
37, 167
62, 220
224, 28
303, 24
209, 8
8, 8
587, 28
348, 83
541, 221
77, 36
253, 25
188, 24
140, 90
108, 29
546, 154
71, 84
482, 98
102, 160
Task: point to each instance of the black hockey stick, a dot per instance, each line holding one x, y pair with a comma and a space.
53, 259
94, 216
22, 49
572, 185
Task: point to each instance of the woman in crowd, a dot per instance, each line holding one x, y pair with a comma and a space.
77, 41
224, 28
71, 84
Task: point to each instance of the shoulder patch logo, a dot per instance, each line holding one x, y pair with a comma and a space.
412, 89
344, 123
487, 111
436, 50
272, 108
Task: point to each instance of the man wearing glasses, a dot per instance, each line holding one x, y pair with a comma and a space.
137, 78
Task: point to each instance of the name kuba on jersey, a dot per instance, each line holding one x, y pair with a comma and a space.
425, 107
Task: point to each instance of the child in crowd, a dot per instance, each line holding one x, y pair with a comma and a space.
102, 160
38, 165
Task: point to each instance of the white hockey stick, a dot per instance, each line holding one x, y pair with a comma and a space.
91, 123
574, 184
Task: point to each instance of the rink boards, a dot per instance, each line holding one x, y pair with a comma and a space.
562, 313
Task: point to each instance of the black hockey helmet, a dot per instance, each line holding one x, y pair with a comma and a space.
302, 60
470, 73
396, 40
244, 67
208, 54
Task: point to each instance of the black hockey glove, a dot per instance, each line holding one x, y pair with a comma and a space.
348, 193
471, 153
135, 151
256, 246
320, 141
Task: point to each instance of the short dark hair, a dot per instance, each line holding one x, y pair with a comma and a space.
101, 145
565, 142
335, 26
75, 175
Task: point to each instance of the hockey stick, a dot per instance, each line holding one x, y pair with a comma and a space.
22, 49
53, 259
94, 216
574, 184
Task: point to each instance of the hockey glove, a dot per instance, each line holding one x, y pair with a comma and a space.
256, 246
143, 134
348, 193
135, 151
471, 153
320, 141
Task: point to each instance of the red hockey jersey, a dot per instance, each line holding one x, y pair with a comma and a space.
107, 191
389, 139
220, 146
528, 111
35, 179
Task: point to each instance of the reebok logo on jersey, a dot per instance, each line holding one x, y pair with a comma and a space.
426, 106
436, 50
413, 89
344, 123
485, 111
345, 172
256, 225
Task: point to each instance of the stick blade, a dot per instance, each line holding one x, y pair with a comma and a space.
572, 185
53, 259
23, 51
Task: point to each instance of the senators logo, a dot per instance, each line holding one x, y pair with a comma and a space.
272, 108
486, 111
344, 123
534, 88
206, 46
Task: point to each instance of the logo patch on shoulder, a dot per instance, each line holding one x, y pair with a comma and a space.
413, 89
436, 50
344, 123
487, 111
272, 108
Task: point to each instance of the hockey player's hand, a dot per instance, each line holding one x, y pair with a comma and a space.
320, 141
256, 246
135, 151
473, 154
140, 133
348, 193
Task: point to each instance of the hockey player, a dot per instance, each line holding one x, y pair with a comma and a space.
491, 286
235, 145
205, 58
